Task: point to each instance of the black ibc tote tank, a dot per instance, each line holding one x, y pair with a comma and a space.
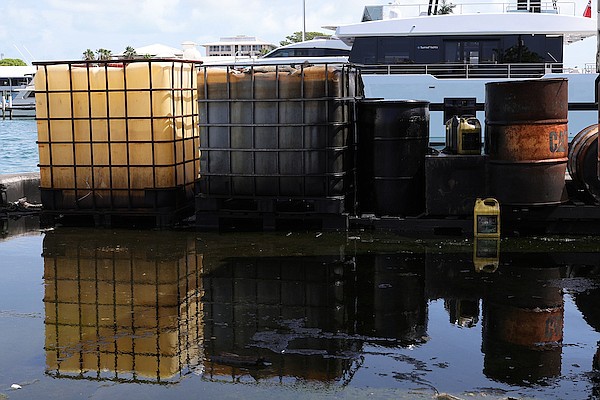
393, 137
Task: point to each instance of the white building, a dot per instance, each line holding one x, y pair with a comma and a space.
238, 46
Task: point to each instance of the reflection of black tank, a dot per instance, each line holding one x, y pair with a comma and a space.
452, 276
282, 310
523, 316
391, 297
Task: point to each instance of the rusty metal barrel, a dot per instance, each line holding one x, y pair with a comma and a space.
526, 138
583, 159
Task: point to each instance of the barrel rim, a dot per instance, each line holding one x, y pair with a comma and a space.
527, 81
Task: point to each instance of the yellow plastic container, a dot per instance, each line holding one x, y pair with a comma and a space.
486, 218
116, 130
463, 135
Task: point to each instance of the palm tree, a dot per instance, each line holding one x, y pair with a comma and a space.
104, 54
129, 53
88, 55
446, 8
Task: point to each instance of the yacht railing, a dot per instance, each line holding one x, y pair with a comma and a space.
558, 7
467, 71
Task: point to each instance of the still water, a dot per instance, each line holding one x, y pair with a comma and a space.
18, 148
107, 314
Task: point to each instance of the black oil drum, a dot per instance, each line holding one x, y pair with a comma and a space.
393, 136
526, 138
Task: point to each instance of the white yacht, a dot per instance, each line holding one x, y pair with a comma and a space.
450, 57
321, 50
23, 103
17, 92
317, 47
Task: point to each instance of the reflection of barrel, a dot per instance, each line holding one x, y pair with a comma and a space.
399, 303
583, 160
393, 139
523, 318
527, 140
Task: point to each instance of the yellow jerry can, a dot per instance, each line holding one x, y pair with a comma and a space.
486, 218
463, 135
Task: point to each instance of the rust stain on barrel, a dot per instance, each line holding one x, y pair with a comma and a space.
527, 327
528, 142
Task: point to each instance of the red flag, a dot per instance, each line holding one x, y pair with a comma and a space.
588, 10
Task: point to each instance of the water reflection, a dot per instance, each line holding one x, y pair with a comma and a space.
121, 309
23, 226
309, 317
523, 317
156, 306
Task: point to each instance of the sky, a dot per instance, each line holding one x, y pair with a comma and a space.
64, 29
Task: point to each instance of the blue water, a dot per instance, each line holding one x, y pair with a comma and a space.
18, 148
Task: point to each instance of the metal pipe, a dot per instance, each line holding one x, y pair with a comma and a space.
303, 20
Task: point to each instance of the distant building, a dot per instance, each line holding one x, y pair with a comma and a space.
238, 46
160, 51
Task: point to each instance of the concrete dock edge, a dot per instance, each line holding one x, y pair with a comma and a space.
22, 185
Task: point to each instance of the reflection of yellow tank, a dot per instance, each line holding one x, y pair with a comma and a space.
486, 254
463, 135
486, 218
114, 309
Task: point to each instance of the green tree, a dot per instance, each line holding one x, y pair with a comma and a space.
297, 37
12, 62
446, 8
520, 54
89, 55
130, 53
104, 54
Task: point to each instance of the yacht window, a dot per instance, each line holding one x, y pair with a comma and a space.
489, 51
393, 51
471, 52
364, 51
452, 51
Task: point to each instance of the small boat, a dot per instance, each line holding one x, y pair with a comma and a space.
18, 93
22, 105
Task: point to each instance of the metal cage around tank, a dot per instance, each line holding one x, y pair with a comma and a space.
118, 137
277, 137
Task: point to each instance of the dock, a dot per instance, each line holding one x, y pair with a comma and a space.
18, 112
